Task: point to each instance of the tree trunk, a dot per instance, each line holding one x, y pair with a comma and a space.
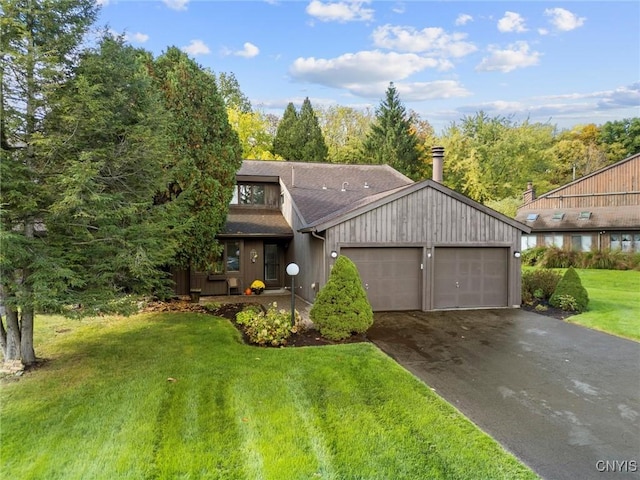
11, 336
26, 338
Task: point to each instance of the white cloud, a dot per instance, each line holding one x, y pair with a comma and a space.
622, 97
176, 4
136, 37
196, 47
414, 91
366, 67
102, 3
432, 40
511, 22
344, 11
564, 20
463, 19
515, 56
543, 31
249, 51
398, 8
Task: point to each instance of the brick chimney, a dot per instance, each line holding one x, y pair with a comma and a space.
530, 193
438, 159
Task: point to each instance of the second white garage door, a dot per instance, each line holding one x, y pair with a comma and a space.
392, 276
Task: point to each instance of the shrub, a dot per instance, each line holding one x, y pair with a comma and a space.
342, 307
532, 256
539, 283
571, 285
541, 308
567, 303
271, 327
555, 257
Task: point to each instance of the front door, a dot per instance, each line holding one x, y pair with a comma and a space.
272, 265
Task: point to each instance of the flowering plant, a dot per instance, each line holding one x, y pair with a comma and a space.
257, 287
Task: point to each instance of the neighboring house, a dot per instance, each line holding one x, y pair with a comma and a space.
417, 246
598, 211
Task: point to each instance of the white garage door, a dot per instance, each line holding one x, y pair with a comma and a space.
392, 276
470, 277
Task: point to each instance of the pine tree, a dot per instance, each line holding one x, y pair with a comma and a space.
39, 42
313, 146
299, 136
285, 142
391, 139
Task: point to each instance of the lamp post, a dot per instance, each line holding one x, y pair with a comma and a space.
293, 270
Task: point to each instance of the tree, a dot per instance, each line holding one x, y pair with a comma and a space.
231, 94
620, 138
311, 141
39, 42
285, 143
253, 131
106, 137
342, 307
491, 158
391, 139
344, 130
205, 155
299, 136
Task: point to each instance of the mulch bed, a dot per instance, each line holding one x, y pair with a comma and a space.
306, 338
550, 311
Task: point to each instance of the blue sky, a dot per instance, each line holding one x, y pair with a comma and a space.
566, 63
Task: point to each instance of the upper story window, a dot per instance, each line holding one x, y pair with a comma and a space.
248, 194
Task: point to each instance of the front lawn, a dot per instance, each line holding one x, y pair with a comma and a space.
614, 302
168, 396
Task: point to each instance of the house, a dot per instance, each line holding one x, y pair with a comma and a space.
598, 211
417, 246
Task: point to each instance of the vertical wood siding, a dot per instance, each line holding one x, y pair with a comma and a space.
616, 186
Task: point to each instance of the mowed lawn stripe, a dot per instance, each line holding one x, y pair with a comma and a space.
168, 396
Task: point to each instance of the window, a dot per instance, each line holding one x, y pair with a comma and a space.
581, 243
233, 256
625, 241
250, 194
553, 241
557, 216
584, 216
532, 217
528, 241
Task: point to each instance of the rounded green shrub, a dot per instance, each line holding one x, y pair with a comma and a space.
342, 307
570, 285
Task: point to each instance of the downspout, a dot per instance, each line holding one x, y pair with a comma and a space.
324, 256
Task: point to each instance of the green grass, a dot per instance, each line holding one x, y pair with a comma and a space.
614, 302
102, 408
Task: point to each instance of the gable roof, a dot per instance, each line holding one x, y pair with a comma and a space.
249, 222
316, 188
367, 204
558, 191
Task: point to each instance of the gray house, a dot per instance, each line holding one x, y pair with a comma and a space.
417, 246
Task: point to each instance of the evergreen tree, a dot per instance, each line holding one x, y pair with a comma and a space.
391, 140
342, 307
312, 144
285, 142
105, 237
39, 41
205, 155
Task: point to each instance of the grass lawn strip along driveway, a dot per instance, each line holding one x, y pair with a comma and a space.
167, 396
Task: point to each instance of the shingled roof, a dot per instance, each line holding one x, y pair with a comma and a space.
321, 189
581, 219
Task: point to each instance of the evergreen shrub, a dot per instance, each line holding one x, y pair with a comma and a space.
342, 307
570, 285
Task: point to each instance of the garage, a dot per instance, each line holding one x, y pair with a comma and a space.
470, 277
391, 276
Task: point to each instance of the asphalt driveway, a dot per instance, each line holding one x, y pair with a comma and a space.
562, 398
